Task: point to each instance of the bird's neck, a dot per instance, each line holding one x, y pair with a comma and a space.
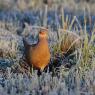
42, 40
43, 44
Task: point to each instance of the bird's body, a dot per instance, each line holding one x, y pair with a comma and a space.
38, 55
71, 40
70, 43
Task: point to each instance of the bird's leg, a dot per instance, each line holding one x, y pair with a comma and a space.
40, 71
31, 69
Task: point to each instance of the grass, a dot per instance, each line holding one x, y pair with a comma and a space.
78, 80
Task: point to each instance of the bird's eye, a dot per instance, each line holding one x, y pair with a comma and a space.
42, 33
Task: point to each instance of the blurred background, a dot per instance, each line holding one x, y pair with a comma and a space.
36, 4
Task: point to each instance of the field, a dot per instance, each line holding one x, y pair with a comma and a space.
73, 74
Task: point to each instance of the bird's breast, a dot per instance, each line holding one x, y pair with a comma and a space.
40, 53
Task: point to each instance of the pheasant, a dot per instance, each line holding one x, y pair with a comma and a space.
70, 42
38, 54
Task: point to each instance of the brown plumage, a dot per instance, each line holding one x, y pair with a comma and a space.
70, 42
38, 55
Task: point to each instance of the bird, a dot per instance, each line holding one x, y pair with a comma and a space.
70, 42
38, 54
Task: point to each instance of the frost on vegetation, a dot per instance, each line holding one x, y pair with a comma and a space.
10, 26
46, 84
10, 45
75, 82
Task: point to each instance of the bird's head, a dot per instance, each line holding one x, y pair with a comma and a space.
43, 34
